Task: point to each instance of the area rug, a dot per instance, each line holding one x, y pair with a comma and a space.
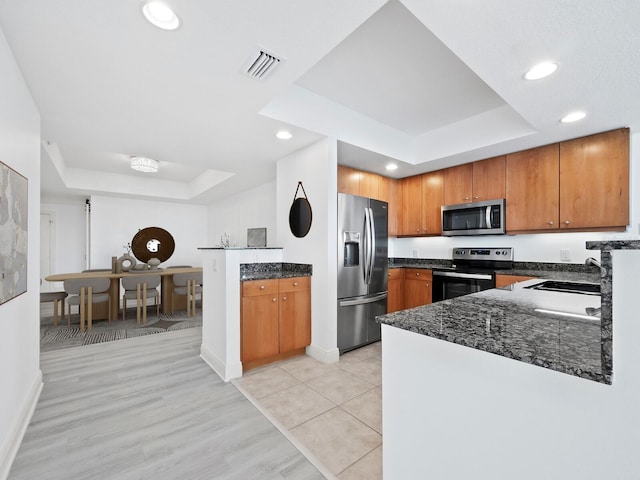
63, 336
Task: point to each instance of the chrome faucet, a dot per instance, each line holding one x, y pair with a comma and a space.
592, 261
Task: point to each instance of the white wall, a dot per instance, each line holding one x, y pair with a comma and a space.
530, 248
20, 376
69, 250
255, 208
316, 168
115, 221
452, 412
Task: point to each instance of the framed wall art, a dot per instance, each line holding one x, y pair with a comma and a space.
13, 233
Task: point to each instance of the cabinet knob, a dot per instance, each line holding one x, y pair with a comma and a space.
467, 198
274, 299
295, 284
417, 274
567, 222
426, 284
476, 197
551, 222
417, 230
261, 287
284, 299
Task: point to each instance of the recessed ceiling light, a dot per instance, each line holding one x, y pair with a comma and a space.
573, 117
391, 166
541, 70
284, 135
161, 15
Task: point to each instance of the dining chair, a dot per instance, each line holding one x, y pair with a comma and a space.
189, 285
85, 292
55, 297
141, 288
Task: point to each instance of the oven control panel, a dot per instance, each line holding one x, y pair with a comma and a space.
483, 253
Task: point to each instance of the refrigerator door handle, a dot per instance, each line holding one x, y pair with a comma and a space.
372, 243
362, 300
367, 246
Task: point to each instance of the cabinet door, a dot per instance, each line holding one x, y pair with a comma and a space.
259, 327
458, 184
348, 180
504, 280
532, 189
395, 290
412, 205
489, 179
432, 196
417, 287
594, 181
370, 185
295, 313
388, 192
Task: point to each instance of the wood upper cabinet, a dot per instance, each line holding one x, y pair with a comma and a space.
594, 181
275, 319
489, 179
349, 180
432, 196
421, 202
417, 287
370, 185
388, 192
532, 189
474, 182
395, 290
458, 184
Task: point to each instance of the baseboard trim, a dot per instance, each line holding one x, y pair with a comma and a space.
10, 449
225, 372
322, 355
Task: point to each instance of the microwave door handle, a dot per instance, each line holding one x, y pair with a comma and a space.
488, 216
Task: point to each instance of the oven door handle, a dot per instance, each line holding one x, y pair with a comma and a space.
474, 276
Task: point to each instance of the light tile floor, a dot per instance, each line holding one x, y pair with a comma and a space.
334, 411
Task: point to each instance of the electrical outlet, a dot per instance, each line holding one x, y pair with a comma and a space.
565, 255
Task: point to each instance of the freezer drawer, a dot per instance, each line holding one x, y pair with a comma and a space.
356, 320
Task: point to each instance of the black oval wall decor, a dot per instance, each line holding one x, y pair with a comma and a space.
300, 214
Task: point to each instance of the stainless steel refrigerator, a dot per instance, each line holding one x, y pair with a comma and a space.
362, 269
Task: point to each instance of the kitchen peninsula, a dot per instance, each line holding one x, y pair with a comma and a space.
554, 398
223, 271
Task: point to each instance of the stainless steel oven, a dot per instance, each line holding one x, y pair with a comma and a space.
473, 271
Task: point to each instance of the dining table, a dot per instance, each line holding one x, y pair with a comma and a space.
110, 311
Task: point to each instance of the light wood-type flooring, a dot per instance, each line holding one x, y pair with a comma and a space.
148, 408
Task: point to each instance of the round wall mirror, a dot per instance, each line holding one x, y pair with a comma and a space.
152, 242
300, 217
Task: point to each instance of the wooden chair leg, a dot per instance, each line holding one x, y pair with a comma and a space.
81, 308
55, 312
90, 308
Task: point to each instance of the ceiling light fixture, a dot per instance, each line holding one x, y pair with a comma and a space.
144, 164
160, 15
284, 135
541, 70
391, 166
573, 117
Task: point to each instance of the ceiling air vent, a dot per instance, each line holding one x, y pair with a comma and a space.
262, 65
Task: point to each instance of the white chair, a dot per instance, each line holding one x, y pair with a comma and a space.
141, 288
189, 285
84, 292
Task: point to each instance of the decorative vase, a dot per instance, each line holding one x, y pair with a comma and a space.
153, 263
126, 262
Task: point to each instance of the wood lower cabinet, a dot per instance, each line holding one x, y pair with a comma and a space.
504, 280
417, 287
395, 290
275, 319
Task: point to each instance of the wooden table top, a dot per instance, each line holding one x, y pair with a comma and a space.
61, 277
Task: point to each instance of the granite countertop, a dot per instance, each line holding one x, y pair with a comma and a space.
515, 322
268, 271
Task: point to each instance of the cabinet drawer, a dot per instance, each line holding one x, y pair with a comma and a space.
395, 273
417, 273
294, 284
251, 288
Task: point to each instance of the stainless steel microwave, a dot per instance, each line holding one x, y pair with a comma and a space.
476, 218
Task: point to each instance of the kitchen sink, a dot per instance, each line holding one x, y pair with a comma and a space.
567, 287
